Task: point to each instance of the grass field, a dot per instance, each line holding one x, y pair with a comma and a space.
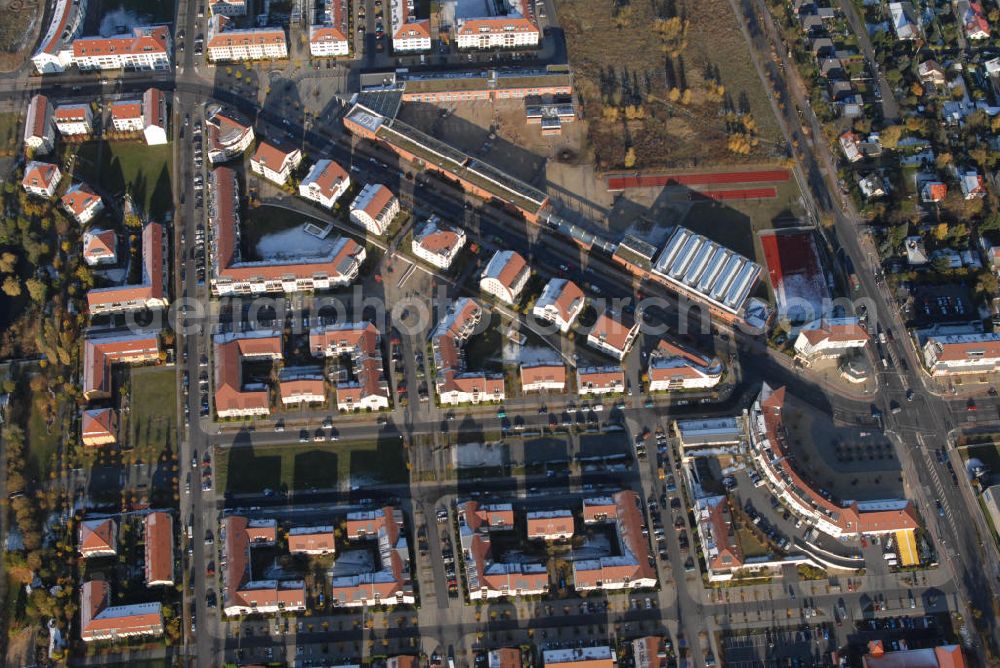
750, 545
143, 170
621, 58
152, 419
41, 443
305, 466
9, 125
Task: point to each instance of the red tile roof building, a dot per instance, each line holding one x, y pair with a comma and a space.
126, 116
101, 351
945, 656
630, 568
769, 448
600, 380
226, 43
146, 48
74, 119
612, 336
243, 594
390, 583
550, 525
39, 131
365, 387
150, 294
233, 398
409, 34
98, 538
273, 163
233, 276
82, 203
101, 621
649, 652
505, 276
438, 244
560, 303
543, 377
301, 385
486, 577
452, 382
154, 117
99, 427
100, 247
329, 37
962, 353
717, 534
159, 549
52, 54
325, 183
228, 136
311, 540
41, 179
830, 337
374, 208
505, 657
508, 32
672, 367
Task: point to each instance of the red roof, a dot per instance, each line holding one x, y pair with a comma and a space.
98, 424
225, 222
101, 244
329, 179
40, 175
71, 112
612, 331
223, 37
98, 619
98, 536
271, 157
499, 25
152, 265
126, 110
38, 112
100, 352
311, 541
79, 198
413, 30
154, 108
144, 39
159, 548
542, 373
229, 354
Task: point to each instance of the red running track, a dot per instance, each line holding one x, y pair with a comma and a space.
621, 182
743, 193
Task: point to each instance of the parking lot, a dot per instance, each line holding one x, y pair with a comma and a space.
781, 647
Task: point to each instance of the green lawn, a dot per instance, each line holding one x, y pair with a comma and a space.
152, 419
40, 441
751, 546
245, 470
144, 170
9, 124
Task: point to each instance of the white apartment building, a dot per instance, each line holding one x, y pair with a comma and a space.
154, 117
39, 131
408, 34
126, 116
672, 367
227, 136
228, 7
436, 243
273, 163
560, 303
325, 183
82, 203
74, 119
148, 48
41, 179
329, 37
612, 336
496, 33
962, 353
374, 208
600, 380
540, 376
830, 337
505, 276
226, 44
100, 247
